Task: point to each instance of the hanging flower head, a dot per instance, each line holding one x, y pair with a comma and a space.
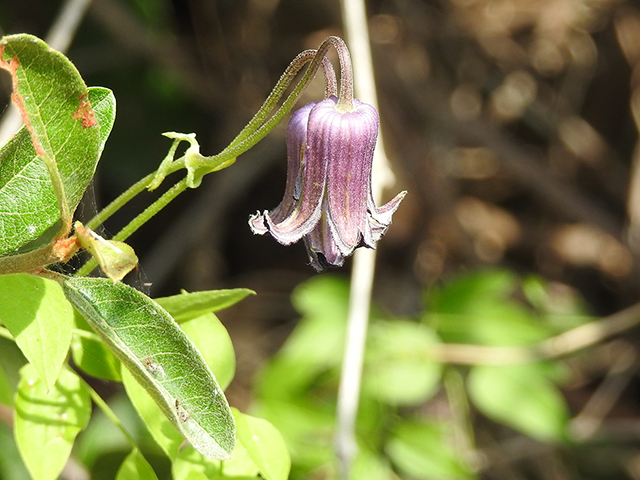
328, 200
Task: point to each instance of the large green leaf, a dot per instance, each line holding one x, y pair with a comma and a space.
186, 306
162, 359
53, 158
47, 421
37, 314
522, 397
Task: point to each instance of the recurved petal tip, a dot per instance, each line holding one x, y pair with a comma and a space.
257, 223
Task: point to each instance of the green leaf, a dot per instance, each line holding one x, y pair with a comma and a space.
35, 311
162, 430
54, 103
212, 339
521, 397
66, 127
240, 464
47, 422
29, 212
187, 306
265, 446
135, 467
11, 361
420, 450
11, 465
91, 354
398, 368
162, 359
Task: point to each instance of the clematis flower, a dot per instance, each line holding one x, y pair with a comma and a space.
328, 200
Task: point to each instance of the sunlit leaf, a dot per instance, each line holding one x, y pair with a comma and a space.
162, 359
187, 306
47, 421
37, 314
91, 355
161, 429
66, 126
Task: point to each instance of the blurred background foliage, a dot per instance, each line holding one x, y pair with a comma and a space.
513, 124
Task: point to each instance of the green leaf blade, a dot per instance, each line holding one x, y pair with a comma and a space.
47, 421
187, 306
29, 211
213, 340
54, 103
162, 430
39, 317
161, 357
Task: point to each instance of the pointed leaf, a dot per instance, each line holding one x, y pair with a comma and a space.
54, 103
37, 314
29, 212
161, 357
135, 467
47, 422
265, 446
186, 306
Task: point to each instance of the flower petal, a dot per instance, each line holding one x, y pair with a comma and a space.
300, 209
322, 248
352, 138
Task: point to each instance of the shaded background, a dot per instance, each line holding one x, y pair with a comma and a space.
510, 122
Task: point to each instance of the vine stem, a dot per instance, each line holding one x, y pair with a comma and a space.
255, 131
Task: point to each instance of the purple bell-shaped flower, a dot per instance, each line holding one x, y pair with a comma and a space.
328, 199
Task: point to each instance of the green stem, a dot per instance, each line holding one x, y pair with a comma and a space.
255, 131
102, 405
140, 220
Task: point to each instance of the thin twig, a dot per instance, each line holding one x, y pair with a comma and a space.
355, 26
